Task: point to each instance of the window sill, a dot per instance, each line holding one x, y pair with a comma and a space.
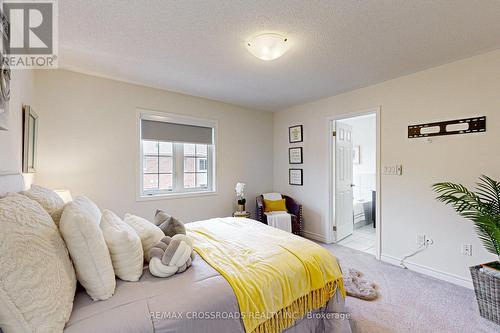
166, 196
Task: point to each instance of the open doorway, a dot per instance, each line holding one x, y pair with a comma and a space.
354, 182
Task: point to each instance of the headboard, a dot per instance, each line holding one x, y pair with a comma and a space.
13, 182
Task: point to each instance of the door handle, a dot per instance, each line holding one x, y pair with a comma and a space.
352, 185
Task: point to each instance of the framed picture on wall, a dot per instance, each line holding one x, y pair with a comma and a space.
30, 129
295, 134
295, 155
295, 177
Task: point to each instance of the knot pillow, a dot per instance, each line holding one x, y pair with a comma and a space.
171, 255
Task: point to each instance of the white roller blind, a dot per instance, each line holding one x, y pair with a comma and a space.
165, 131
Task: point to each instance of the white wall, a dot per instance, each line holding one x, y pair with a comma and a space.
464, 88
87, 143
21, 92
364, 135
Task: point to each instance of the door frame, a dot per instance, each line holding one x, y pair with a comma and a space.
331, 173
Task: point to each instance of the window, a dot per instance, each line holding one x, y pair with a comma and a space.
177, 155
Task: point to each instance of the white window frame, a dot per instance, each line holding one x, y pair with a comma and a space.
178, 158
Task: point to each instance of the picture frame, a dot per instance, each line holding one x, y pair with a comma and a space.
355, 155
295, 134
30, 132
295, 155
295, 177
5, 72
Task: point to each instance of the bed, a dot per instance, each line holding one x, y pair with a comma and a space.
169, 305
198, 300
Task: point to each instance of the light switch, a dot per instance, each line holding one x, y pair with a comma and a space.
393, 170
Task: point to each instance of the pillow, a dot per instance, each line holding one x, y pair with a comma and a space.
149, 233
37, 278
274, 205
124, 246
48, 199
272, 196
80, 229
169, 224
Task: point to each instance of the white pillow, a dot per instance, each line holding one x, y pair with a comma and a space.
149, 233
272, 196
37, 278
80, 229
124, 246
48, 199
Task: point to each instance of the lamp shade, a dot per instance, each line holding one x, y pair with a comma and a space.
268, 46
65, 195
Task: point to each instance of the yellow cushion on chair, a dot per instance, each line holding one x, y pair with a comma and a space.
274, 205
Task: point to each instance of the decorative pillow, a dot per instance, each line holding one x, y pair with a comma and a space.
37, 278
48, 199
124, 246
147, 231
169, 224
171, 255
274, 205
80, 229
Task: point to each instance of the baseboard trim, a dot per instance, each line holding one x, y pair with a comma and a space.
452, 278
314, 236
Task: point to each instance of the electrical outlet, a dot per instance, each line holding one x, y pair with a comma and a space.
467, 250
420, 239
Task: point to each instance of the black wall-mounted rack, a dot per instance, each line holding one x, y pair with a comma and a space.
450, 127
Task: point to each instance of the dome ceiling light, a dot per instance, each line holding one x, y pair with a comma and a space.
267, 46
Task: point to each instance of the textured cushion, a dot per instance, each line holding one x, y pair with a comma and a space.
80, 229
149, 233
169, 224
124, 246
37, 278
48, 199
275, 205
171, 255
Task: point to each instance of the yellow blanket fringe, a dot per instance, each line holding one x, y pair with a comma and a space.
276, 277
287, 316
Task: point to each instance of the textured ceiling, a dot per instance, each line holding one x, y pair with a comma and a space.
196, 47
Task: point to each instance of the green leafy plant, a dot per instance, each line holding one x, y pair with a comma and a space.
481, 206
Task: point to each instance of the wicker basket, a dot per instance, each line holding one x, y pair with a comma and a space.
487, 289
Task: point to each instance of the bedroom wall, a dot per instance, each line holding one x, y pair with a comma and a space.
463, 88
87, 143
21, 92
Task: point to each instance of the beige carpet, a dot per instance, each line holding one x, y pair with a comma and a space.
409, 301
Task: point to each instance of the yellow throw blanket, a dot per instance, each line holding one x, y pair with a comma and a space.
277, 277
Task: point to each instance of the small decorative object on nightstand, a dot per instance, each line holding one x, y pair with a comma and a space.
242, 214
240, 187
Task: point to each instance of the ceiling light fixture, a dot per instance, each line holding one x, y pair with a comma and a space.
268, 46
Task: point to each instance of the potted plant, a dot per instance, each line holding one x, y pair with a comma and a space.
240, 187
482, 207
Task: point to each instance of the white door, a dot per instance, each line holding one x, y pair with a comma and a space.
344, 221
